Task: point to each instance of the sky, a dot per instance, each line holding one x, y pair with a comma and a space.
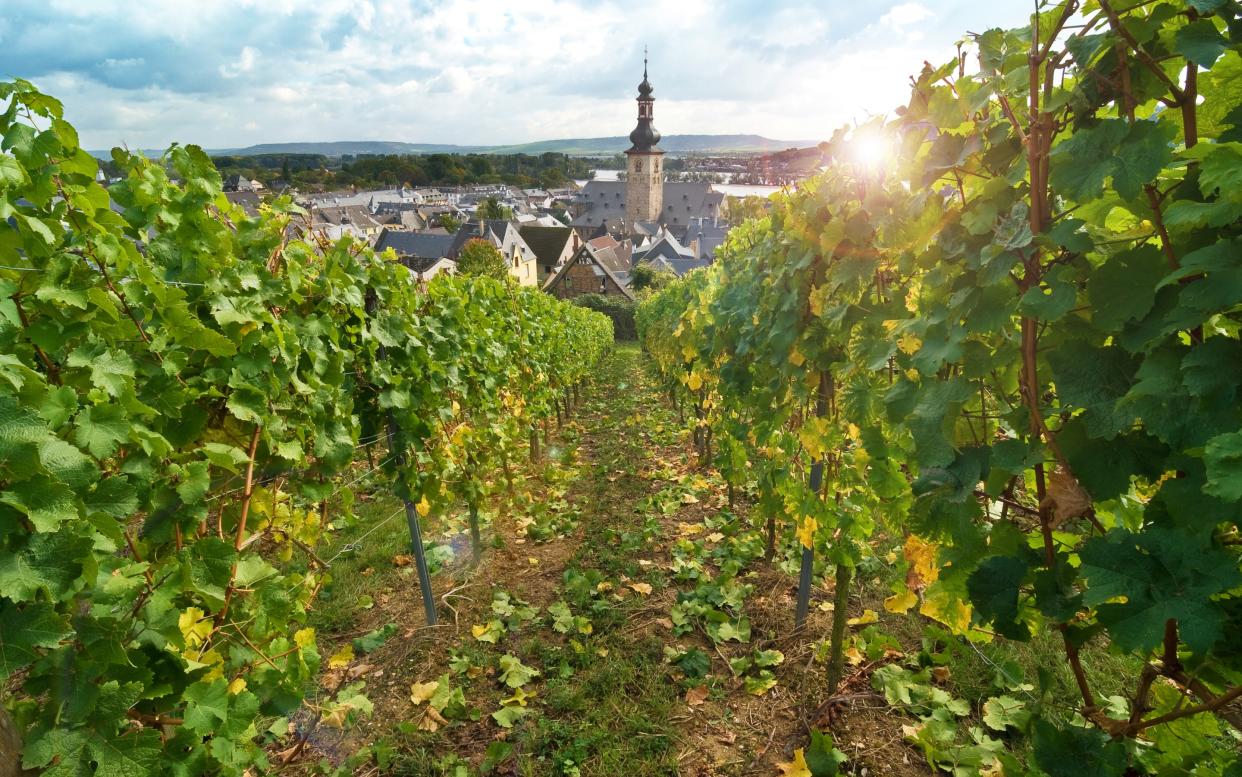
231, 73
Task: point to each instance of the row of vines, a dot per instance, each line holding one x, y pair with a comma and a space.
1015, 344
186, 396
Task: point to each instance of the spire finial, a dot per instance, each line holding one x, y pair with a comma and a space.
644, 61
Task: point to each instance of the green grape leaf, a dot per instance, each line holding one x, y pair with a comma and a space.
1200, 42
129, 755
101, 429
994, 589
24, 630
1130, 154
207, 705
45, 502
1077, 752
1094, 379
1002, 712
67, 747
1223, 457
1124, 287
48, 564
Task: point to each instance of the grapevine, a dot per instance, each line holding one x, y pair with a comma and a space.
186, 389
1011, 346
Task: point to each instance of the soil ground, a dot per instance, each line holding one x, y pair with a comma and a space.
595, 525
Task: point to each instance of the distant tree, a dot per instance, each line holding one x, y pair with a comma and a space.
450, 223
479, 257
551, 178
644, 276
739, 209
284, 170
491, 208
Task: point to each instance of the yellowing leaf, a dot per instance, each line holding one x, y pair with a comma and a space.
421, 692
694, 381
816, 300
806, 532
519, 697
341, 658
868, 616
946, 609
237, 686
795, 768
921, 555
908, 343
796, 358
901, 603
423, 507
642, 588
194, 626
854, 656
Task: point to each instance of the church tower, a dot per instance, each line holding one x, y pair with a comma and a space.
644, 189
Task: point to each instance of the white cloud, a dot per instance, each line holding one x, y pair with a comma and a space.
244, 63
905, 15
236, 72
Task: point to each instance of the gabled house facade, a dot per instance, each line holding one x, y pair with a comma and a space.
588, 271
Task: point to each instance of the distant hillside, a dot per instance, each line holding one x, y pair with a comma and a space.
675, 144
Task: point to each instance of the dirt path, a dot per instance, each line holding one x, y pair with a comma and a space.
581, 583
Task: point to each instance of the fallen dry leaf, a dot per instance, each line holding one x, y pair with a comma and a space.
696, 695
642, 588
421, 692
402, 560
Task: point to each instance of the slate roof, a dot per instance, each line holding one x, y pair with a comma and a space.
248, 200
546, 242
710, 233
420, 245
605, 201
666, 253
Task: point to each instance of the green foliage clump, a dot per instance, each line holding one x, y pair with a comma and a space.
617, 308
480, 258
1005, 325
185, 391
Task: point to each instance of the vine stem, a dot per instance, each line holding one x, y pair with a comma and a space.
240, 537
1038, 144
1185, 712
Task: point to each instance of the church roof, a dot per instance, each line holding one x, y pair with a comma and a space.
605, 201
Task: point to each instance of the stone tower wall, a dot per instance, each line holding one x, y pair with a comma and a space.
644, 189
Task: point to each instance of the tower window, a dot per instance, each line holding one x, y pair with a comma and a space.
638, 165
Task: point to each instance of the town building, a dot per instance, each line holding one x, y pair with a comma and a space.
599, 266
553, 246
644, 204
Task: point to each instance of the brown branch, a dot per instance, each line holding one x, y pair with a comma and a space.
1114, 21
1185, 712
53, 371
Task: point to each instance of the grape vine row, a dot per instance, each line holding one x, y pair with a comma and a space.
185, 389
1016, 342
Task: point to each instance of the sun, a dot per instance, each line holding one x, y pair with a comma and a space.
869, 148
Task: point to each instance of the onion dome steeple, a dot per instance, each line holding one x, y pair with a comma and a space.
645, 136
